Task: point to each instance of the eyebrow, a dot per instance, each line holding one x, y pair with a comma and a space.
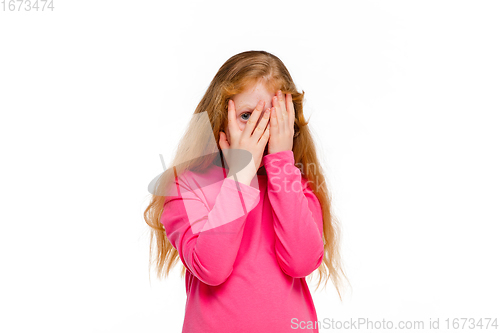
246, 106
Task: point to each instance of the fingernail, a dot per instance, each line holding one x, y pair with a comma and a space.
279, 93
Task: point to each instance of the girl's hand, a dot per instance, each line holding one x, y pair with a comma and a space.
251, 142
282, 123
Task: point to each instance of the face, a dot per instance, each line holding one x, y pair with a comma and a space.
246, 102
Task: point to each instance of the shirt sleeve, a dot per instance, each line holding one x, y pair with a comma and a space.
207, 239
297, 216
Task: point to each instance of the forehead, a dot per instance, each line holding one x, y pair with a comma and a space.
250, 96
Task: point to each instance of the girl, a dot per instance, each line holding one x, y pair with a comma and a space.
250, 221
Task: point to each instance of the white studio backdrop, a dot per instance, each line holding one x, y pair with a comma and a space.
403, 102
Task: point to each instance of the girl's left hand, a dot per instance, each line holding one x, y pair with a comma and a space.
282, 123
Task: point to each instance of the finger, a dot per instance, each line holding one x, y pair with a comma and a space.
291, 110
261, 127
281, 99
274, 123
265, 136
279, 114
284, 111
252, 121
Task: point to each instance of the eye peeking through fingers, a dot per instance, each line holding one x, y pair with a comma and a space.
248, 114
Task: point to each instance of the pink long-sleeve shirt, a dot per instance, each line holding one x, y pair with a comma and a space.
246, 250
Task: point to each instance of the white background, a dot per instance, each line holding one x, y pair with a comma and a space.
403, 100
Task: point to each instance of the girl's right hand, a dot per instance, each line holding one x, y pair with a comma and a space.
248, 139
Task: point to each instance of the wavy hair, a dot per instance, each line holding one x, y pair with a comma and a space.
238, 73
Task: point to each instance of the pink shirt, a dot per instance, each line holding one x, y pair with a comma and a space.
246, 252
